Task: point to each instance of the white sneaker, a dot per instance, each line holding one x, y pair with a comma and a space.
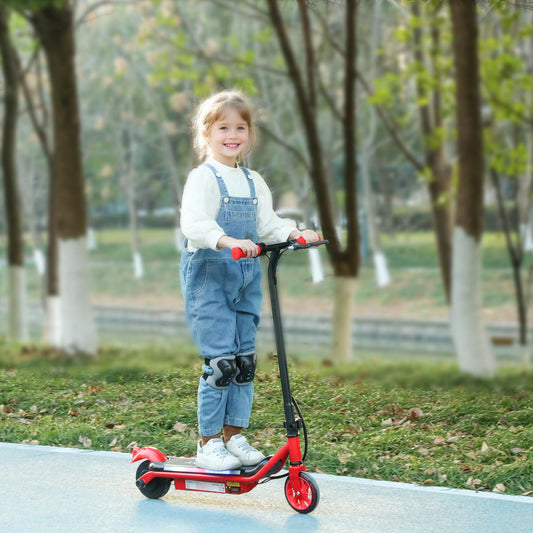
238, 446
214, 456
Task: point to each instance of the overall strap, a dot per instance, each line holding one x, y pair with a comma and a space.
220, 181
222, 185
250, 181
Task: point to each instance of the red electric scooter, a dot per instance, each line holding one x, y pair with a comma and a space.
156, 473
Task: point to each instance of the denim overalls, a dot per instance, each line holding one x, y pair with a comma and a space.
222, 302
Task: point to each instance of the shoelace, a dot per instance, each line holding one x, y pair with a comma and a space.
245, 447
221, 452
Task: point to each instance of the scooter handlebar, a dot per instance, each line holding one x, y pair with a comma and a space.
237, 253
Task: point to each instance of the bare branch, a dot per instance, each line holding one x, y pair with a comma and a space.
93, 7
291, 149
391, 127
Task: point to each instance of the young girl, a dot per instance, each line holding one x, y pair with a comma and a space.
226, 206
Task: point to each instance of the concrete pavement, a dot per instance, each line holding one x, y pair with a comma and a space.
76, 491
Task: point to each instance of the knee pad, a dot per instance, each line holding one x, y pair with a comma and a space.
219, 371
245, 369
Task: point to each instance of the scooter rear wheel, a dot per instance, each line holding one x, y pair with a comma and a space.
156, 488
302, 494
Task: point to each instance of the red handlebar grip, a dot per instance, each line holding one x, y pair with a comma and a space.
237, 253
301, 240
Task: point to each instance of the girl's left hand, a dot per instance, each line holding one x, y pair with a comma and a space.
308, 234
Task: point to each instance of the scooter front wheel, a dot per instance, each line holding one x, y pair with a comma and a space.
302, 493
156, 488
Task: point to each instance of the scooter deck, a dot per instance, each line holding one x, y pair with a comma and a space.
188, 465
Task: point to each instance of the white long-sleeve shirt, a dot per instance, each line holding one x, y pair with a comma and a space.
201, 202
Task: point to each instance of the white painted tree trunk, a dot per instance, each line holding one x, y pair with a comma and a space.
78, 332
317, 273
52, 332
91, 240
527, 232
468, 330
39, 260
382, 272
178, 239
17, 304
342, 318
138, 269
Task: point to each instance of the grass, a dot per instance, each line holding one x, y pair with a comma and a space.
416, 422
416, 285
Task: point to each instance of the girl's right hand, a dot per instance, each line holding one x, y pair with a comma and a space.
248, 247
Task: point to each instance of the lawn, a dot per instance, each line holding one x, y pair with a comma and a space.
415, 290
416, 422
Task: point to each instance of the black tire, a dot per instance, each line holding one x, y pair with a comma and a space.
157, 488
305, 497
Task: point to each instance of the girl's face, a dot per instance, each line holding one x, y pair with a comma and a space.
228, 138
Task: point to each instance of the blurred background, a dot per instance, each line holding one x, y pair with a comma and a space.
140, 69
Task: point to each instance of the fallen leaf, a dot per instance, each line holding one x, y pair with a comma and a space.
499, 488
85, 441
485, 447
415, 413
343, 457
179, 427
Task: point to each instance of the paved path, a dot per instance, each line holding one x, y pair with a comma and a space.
76, 491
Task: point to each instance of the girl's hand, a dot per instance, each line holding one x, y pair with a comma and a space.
308, 234
247, 246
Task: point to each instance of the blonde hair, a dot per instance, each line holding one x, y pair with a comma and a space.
212, 109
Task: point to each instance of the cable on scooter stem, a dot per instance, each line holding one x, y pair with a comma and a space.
299, 243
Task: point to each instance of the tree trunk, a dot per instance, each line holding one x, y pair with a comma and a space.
345, 262
516, 255
17, 286
52, 328
129, 176
380, 261
439, 186
54, 27
468, 331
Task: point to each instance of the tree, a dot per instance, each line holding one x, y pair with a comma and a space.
17, 289
507, 74
306, 80
471, 343
54, 27
37, 107
431, 125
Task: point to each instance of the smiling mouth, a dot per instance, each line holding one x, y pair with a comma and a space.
232, 145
